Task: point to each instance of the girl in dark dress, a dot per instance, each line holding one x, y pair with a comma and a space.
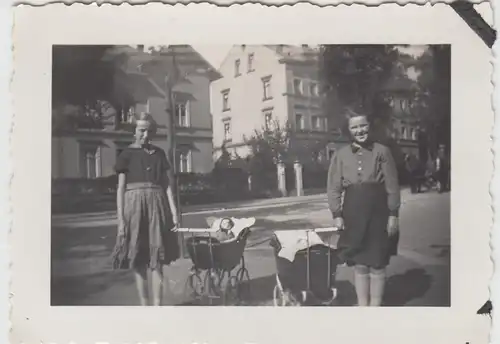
146, 212
364, 198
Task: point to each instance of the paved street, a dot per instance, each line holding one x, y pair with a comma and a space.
419, 276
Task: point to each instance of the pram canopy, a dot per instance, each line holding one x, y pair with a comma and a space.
289, 242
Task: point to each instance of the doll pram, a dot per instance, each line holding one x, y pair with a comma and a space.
306, 274
218, 270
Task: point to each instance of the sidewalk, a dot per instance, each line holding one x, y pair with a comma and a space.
110, 216
69, 219
418, 276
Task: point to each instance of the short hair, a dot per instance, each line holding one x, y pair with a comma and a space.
145, 117
351, 113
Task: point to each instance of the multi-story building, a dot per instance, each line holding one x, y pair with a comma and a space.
92, 152
405, 121
266, 84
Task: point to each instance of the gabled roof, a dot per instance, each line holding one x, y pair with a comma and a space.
285, 53
187, 59
136, 85
295, 53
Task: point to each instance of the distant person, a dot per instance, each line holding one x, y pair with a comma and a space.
365, 172
442, 169
146, 211
412, 166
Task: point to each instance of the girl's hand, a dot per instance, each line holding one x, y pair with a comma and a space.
175, 220
121, 226
392, 225
339, 223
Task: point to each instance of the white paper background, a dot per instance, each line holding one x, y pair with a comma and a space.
36, 29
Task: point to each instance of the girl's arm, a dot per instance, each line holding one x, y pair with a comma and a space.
120, 196
334, 186
173, 207
391, 179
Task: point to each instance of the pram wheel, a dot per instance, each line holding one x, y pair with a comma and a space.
243, 284
231, 291
332, 299
194, 287
212, 285
282, 298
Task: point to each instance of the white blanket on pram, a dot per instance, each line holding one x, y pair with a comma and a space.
239, 224
292, 241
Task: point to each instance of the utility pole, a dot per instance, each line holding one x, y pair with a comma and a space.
170, 82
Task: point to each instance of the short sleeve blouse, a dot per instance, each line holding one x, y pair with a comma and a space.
141, 166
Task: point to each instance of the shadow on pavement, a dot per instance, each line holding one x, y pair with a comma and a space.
403, 288
65, 291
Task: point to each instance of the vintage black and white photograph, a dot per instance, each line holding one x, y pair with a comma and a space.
258, 175
251, 174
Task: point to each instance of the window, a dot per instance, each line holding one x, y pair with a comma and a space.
313, 89
126, 115
266, 84
405, 104
91, 161
414, 134
225, 100
299, 121
184, 161
403, 132
237, 64
297, 86
319, 123
250, 62
268, 120
227, 131
182, 114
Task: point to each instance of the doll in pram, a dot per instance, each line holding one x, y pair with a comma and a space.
217, 254
306, 262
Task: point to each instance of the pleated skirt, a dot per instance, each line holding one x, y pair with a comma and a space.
148, 241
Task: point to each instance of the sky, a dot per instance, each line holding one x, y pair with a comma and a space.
216, 54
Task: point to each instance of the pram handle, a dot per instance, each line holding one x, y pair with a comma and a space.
197, 230
325, 229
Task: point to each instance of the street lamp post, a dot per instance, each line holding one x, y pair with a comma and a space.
170, 81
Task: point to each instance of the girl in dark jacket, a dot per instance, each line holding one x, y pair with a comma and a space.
364, 198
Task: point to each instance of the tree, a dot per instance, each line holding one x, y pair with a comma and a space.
82, 86
273, 142
433, 98
225, 159
354, 76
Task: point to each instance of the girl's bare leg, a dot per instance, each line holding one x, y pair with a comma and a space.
377, 286
362, 284
141, 280
157, 279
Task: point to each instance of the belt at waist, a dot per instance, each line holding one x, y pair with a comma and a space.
144, 185
366, 185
